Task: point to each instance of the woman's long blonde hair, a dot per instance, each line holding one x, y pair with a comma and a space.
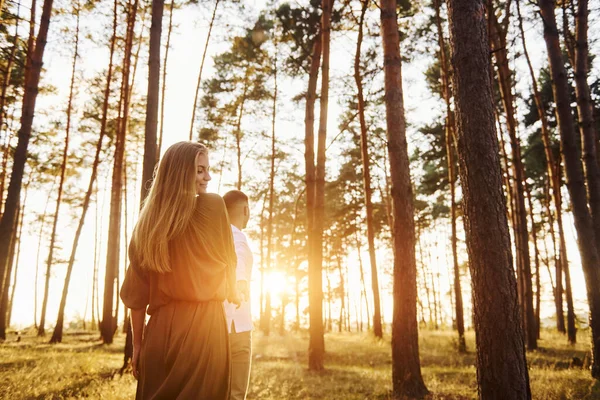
168, 207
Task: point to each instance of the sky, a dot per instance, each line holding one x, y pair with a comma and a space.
191, 23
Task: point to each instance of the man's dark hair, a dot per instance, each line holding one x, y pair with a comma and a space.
234, 197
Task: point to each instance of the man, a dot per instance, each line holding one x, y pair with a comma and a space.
239, 319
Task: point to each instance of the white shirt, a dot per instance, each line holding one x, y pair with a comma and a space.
241, 317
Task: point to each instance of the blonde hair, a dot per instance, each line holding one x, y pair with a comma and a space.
168, 208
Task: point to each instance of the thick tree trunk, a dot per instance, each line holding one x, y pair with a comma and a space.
406, 368
501, 364
32, 80
586, 236
212, 21
364, 147
316, 347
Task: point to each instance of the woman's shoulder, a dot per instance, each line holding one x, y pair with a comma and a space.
209, 201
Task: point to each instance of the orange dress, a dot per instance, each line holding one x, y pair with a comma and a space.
185, 348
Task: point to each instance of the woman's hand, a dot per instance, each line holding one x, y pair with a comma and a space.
135, 361
234, 298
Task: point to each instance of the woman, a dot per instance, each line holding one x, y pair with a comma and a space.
182, 267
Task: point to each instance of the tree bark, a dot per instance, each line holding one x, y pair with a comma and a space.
501, 364
32, 79
586, 236
364, 147
406, 368
316, 346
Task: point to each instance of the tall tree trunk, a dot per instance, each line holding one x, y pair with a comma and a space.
6, 287
164, 77
363, 292
501, 364
58, 328
534, 237
267, 316
108, 326
316, 342
498, 39
151, 153
238, 134
406, 368
50, 260
316, 347
585, 110
32, 80
210, 26
37, 260
297, 272
150, 150
342, 292
5, 84
19, 241
575, 179
553, 178
364, 147
450, 144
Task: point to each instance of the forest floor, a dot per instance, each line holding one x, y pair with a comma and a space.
357, 367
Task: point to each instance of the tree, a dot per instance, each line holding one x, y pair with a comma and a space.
315, 259
364, 145
498, 32
108, 325
241, 74
406, 368
32, 80
586, 236
58, 327
450, 146
501, 364
554, 179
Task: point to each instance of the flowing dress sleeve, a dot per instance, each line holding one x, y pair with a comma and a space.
135, 291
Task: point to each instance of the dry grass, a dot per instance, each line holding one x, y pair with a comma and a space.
357, 367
